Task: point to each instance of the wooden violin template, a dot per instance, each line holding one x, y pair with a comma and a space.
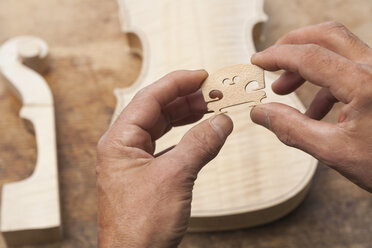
255, 179
30, 211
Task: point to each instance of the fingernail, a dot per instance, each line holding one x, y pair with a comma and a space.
254, 57
257, 53
260, 116
222, 124
201, 70
202, 73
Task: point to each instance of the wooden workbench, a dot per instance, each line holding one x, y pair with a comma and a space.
90, 59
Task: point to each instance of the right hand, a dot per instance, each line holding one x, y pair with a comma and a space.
331, 57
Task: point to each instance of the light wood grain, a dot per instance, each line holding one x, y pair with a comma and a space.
232, 86
30, 208
85, 40
254, 175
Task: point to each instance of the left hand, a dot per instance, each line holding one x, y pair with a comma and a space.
143, 200
330, 56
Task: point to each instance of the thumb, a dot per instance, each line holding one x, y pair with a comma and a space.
201, 143
298, 130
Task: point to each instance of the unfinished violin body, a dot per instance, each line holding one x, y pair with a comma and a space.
255, 179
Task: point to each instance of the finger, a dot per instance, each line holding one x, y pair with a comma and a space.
142, 120
331, 35
200, 144
187, 105
315, 64
287, 83
179, 112
321, 104
147, 105
298, 130
338, 39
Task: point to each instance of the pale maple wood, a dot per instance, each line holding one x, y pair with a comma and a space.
255, 179
230, 86
30, 209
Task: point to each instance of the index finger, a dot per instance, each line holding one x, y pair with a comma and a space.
139, 124
331, 35
315, 64
145, 108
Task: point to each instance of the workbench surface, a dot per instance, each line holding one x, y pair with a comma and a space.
89, 58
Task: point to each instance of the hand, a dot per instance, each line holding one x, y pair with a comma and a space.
145, 200
331, 57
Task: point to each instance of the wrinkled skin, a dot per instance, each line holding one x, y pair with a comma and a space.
144, 199
330, 56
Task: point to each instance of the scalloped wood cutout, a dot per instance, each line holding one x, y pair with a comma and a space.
30, 211
231, 87
254, 179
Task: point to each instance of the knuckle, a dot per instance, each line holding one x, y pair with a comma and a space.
311, 52
99, 168
99, 165
174, 75
315, 54
108, 145
103, 153
273, 51
273, 48
289, 37
170, 77
339, 30
285, 135
141, 93
312, 49
101, 146
365, 73
340, 66
139, 102
363, 86
335, 26
270, 51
